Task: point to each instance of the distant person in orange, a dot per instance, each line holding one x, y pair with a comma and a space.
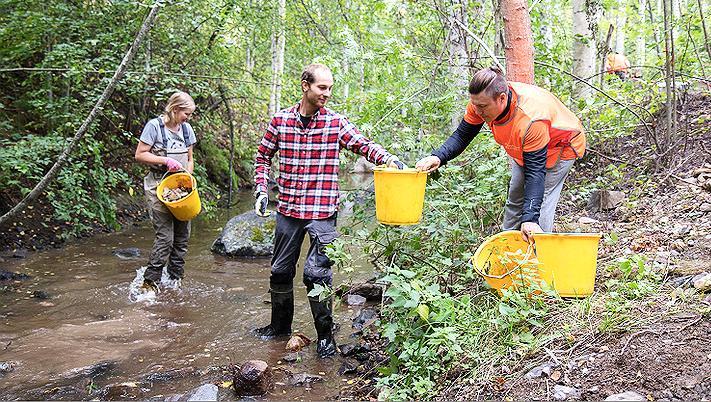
617, 64
541, 136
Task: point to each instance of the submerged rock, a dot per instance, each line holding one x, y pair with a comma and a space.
205, 392
12, 276
127, 253
92, 371
254, 378
246, 235
292, 357
304, 379
41, 294
7, 367
121, 392
348, 367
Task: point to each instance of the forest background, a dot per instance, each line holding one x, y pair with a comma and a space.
401, 70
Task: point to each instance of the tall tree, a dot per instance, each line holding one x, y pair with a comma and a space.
278, 46
620, 21
641, 42
519, 40
585, 22
458, 49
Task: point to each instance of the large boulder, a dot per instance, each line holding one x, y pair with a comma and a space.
246, 235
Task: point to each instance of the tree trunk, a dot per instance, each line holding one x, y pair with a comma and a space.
519, 41
655, 30
106, 94
669, 78
620, 21
641, 45
603, 52
703, 25
585, 20
278, 46
458, 56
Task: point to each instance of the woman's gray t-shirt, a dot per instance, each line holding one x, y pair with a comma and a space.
152, 136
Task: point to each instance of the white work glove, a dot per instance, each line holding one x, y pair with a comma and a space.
394, 162
260, 206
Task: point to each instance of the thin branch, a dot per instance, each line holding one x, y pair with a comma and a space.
399, 105
318, 26
52, 173
54, 69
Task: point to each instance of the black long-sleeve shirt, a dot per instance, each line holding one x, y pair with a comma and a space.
534, 164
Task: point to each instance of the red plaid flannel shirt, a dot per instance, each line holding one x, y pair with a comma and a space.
308, 160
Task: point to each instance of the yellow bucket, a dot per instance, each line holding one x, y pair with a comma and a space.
399, 195
186, 208
566, 261
492, 260
569, 261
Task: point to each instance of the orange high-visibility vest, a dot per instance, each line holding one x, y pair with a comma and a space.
529, 104
616, 62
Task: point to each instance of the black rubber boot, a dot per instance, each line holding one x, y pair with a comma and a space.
282, 313
323, 321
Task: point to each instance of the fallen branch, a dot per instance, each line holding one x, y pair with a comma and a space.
54, 171
636, 334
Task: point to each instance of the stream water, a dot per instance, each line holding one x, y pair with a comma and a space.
167, 346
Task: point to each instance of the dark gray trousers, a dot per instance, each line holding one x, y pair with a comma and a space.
171, 241
288, 238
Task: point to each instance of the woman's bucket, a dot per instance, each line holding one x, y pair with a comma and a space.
399, 195
186, 208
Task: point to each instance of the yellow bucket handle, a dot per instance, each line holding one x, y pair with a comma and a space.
530, 249
192, 178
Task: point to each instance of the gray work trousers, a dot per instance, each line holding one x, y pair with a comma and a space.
288, 238
171, 241
555, 177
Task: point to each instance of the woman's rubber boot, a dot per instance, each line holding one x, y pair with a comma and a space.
282, 313
323, 321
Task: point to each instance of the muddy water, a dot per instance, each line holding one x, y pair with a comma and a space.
90, 318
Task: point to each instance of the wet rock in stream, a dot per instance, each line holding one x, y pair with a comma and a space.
169, 375
7, 367
41, 294
122, 391
246, 235
205, 392
12, 276
349, 366
293, 357
304, 379
253, 378
95, 370
366, 317
127, 253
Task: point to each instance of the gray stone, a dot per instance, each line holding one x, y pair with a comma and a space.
304, 379
355, 300
626, 396
702, 282
205, 392
41, 294
562, 393
92, 371
348, 367
587, 221
602, 200
370, 291
127, 253
292, 357
253, 378
705, 207
246, 235
366, 317
540, 371
121, 392
7, 367
12, 276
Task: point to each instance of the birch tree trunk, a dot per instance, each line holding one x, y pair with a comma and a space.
641, 44
518, 41
458, 55
669, 77
278, 46
585, 21
620, 21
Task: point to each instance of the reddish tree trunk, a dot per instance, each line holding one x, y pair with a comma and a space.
519, 41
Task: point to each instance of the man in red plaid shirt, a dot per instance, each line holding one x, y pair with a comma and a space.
308, 137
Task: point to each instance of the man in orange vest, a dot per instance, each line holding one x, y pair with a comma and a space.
618, 64
541, 136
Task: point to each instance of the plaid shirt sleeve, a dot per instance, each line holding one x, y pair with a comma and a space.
351, 139
263, 161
